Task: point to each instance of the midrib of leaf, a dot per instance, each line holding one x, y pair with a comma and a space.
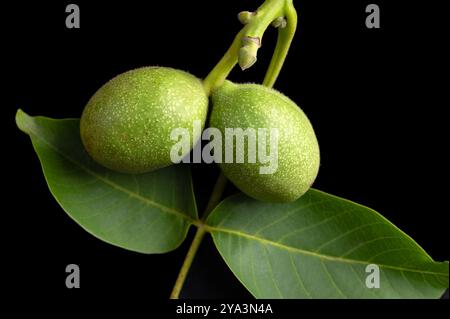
110, 183
315, 254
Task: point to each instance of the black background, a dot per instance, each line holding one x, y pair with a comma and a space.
375, 98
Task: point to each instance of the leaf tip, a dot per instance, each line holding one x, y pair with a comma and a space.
23, 121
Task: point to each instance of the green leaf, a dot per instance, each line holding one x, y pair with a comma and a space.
148, 213
319, 247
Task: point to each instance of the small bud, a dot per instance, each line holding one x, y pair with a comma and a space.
247, 57
245, 16
279, 22
248, 52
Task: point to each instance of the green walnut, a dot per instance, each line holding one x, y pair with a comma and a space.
257, 107
126, 125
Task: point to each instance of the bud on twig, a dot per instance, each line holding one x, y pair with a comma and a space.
245, 16
279, 22
248, 52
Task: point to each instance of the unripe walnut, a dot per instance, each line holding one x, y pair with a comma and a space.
255, 106
126, 125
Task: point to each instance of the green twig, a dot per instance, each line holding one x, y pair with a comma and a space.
187, 263
285, 36
213, 201
246, 43
216, 195
243, 50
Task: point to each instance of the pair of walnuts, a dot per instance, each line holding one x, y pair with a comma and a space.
126, 126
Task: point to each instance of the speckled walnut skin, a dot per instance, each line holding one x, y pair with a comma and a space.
126, 125
256, 106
